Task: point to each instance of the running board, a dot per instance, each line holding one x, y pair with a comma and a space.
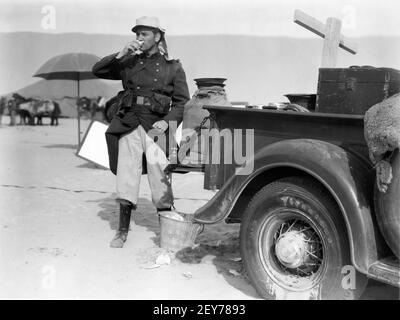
386, 270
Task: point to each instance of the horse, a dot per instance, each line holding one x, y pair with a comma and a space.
29, 109
43, 109
25, 112
24, 109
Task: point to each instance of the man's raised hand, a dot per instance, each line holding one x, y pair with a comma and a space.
130, 48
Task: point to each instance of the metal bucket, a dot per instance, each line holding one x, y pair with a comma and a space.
177, 234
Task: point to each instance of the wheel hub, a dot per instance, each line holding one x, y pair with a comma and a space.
291, 249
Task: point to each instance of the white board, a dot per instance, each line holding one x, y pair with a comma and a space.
94, 147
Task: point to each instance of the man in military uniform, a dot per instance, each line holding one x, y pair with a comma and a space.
155, 92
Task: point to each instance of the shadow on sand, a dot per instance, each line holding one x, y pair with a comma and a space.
220, 242
91, 165
61, 146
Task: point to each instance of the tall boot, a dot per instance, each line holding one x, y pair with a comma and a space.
119, 239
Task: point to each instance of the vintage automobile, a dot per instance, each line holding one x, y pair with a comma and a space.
313, 223
310, 215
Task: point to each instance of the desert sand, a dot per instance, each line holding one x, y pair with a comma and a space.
58, 214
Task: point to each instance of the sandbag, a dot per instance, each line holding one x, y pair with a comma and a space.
192, 152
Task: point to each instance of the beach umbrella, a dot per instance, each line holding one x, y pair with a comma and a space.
70, 66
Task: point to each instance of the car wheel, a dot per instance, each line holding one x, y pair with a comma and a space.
294, 244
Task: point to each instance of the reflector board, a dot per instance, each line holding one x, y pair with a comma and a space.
94, 147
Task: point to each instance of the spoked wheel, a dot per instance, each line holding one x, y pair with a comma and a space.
291, 249
294, 243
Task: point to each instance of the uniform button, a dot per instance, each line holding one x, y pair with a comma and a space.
157, 64
141, 62
155, 80
137, 87
157, 70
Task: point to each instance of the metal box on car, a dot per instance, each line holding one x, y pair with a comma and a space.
354, 90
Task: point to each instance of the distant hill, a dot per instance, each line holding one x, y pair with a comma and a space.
259, 69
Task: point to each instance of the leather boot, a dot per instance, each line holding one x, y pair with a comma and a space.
119, 239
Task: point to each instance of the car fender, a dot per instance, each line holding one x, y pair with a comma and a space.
345, 175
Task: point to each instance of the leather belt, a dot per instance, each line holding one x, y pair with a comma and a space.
129, 98
140, 100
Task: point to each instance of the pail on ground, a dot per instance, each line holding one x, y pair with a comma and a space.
178, 231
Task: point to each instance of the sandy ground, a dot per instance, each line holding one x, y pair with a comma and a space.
58, 214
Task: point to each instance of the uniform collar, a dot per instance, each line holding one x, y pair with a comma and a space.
154, 56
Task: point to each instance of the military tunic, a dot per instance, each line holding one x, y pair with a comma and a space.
142, 76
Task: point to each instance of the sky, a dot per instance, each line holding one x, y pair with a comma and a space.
186, 17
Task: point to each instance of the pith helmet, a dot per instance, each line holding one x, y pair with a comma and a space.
151, 22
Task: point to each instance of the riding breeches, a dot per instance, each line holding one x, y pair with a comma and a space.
130, 152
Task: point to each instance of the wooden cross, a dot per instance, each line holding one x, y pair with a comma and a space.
330, 32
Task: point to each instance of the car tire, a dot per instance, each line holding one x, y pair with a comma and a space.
294, 244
